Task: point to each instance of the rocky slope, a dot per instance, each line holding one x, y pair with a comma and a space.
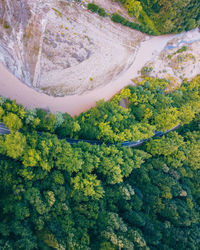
59, 48
179, 59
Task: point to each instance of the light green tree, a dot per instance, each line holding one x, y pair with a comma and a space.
12, 121
15, 144
133, 7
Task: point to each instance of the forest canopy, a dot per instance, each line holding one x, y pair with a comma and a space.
54, 195
164, 15
149, 107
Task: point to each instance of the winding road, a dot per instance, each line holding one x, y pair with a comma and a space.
4, 130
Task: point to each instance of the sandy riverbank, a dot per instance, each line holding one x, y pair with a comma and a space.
179, 60
12, 88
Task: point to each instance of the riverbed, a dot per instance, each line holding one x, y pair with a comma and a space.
11, 87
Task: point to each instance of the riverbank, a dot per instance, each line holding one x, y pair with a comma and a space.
180, 59
12, 88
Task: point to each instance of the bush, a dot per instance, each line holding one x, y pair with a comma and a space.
191, 24
146, 70
102, 12
119, 19
184, 48
96, 9
93, 7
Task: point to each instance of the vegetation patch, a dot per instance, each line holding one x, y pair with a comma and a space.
165, 16
6, 25
115, 17
83, 196
95, 8
181, 50
146, 70
57, 12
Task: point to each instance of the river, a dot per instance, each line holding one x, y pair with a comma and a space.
11, 87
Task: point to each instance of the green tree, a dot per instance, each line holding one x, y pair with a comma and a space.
12, 121
15, 144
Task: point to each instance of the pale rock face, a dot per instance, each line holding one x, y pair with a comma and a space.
22, 26
59, 48
14, 17
175, 63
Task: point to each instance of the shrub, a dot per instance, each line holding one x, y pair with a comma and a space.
102, 12
119, 19
145, 70
6, 25
184, 48
93, 7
